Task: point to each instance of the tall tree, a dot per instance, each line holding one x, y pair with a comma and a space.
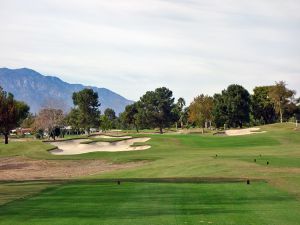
180, 104
130, 116
72, 119
238, 105
86, 101
280, 95
110, 113
12, 113
297, 114
157, 108
200, 110
184, 118
232, 107
50, 120
105, 123
290, 110
220, 111
262, 107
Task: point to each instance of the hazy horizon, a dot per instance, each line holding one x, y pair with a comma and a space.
191, 47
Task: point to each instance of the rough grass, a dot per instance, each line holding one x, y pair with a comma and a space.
274, 161
10, 191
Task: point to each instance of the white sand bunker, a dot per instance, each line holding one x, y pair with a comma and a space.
74, 147
108, 136
254, 130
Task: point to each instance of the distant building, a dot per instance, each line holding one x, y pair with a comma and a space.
21, 131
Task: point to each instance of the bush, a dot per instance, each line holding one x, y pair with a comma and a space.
39, 134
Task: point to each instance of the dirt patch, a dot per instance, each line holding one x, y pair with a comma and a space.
20, 139
18, 168
286, 185
10, 166
284, 170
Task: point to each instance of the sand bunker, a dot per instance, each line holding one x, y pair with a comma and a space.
74, 147
243, 131
108, 136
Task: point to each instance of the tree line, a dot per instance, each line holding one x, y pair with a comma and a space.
233, 107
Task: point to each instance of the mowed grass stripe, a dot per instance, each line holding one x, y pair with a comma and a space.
154, 203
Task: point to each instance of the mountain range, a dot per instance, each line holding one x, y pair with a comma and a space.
40, 91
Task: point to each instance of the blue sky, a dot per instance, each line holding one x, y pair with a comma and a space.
132, 46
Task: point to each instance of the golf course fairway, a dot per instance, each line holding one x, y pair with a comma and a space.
181, 179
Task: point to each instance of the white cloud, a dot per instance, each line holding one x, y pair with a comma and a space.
132, 46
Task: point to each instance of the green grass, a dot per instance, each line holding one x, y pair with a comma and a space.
178, 144
31, 149
10, 191
274, 161
154, 203
173, 156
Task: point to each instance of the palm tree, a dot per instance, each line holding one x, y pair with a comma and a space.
180, 103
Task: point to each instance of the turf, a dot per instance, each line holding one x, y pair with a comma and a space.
272, 161
154, 203
275, 201
9, 191
166, 146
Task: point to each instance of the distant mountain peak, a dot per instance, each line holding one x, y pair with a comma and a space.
39, 91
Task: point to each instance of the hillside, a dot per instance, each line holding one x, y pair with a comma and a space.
39, 91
